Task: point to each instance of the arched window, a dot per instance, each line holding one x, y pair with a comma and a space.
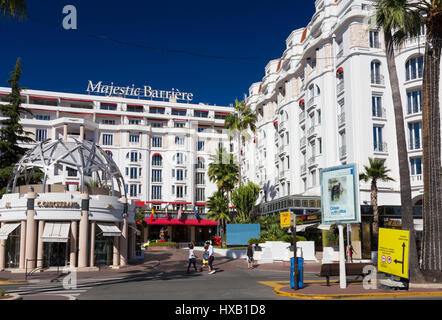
157, 160
414, 68
375, 71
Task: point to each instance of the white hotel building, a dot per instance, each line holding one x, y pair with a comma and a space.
162, 149
326, 102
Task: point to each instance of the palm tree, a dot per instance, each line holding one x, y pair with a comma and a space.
218, 206
13, 8
238, 123
223, 171
398, 21
377, 171
431, 13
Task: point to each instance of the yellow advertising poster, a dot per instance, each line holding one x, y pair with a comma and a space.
286, 219
393, 251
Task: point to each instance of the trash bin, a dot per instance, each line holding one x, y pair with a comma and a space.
300, 273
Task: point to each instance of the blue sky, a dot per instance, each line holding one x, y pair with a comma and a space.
64, 60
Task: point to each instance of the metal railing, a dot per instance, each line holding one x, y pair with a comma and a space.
377, 79
381, 147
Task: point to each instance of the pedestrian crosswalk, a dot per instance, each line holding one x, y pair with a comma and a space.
40, 287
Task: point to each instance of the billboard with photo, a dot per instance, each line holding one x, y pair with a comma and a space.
340, 194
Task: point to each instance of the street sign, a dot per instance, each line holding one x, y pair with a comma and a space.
287, 219
340, 194
393, 251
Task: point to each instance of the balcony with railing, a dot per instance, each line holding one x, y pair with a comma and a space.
377, 79
312, 131
303, 169
341, 118
416, 180
311, 103
380, 147
302, 142
339, 87
380, 113
343, 151
302, 116
313, 160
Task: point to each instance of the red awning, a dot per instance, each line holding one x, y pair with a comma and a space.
200, 203
44, 97
70, 99
110, 103
108, 115
135, 117
181, 222
301, 101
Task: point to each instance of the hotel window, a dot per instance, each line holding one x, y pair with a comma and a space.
156, 110
378, 144
415, 135
320, 145
108, 139
375, 69
42, 117
414, 101
133, 156
41, 135
135, 121
200, 145
415, 166
180, 174
200, 114
340, 46
200, 178
108, 121
178, 112
414, 68
376, 106
179, 124
156, 175
200, 163
374, 39
220, 116
157, 124
157, 160
134, 108
179, 191
313, 177
71, 172
156, 192
157, 142
133, 173
179, 158
200, 194
108, 106
220, 145
201, 129
134, 138
133, 190
179, 141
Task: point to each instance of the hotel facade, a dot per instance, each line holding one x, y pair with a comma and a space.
326, 102
162, 148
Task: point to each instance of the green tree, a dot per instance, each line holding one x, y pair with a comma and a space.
377, 171
11, 131
244, 198
13, 8
397, 22
218, 206
223, 171
238, 123
271, 228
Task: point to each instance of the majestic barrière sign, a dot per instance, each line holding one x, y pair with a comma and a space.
143, 92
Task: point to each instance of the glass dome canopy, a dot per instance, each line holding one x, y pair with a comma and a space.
61, 160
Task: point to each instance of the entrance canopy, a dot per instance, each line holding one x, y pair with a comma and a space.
109, 229
7, 229
181, 222
56, 232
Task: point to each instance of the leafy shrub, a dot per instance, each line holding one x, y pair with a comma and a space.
256, 241
289, 238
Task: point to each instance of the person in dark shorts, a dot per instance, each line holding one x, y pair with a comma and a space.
250, 256
192, 258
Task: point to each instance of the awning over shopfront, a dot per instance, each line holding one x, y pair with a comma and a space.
7, 229
181, 222
56, 232
109, 229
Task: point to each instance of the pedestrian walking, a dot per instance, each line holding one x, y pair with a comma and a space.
350, 253
211, 257
205, 257
250, 256
192, 258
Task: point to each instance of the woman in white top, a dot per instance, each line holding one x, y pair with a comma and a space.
211, 257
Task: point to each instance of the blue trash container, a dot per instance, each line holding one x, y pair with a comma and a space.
300, 273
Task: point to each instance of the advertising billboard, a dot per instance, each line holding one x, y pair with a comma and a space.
340, 194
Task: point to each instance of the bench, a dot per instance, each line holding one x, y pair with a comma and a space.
351, 269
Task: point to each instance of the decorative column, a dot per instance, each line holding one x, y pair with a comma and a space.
41, 226
132, 245
170, 232
2, 252
81, 132
65, 132
21, 264
116, 258
74, 238
192, 233
31, 229
145, 234
84, 231
92, 251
